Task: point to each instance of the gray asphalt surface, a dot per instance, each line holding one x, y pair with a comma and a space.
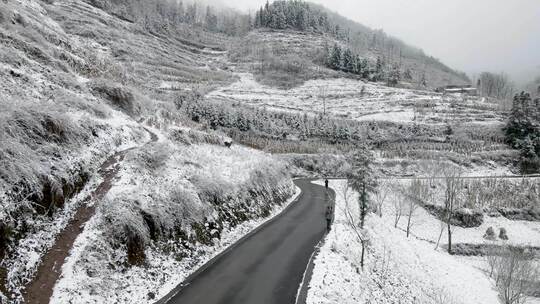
266, 267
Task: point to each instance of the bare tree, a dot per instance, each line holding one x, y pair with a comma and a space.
382, 194
399, 207
323, 93
355, 227
515, 273
452, 182
415, 193
496, 85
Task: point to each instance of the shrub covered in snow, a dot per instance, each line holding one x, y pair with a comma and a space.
502, 234
490, 234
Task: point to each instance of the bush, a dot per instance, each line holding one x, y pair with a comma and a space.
490, 234
152, 157
119, 96
502, 234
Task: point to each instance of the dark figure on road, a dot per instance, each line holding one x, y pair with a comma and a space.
329, 214
326, 183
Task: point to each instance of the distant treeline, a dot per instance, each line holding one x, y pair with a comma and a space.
343, 59
159, 15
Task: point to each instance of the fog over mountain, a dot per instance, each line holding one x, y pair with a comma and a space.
472, 36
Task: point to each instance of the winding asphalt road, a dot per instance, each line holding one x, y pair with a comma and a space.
267, 266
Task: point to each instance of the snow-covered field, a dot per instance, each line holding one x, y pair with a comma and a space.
361, 101
404, 270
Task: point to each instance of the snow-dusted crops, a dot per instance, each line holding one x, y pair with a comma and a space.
356, 100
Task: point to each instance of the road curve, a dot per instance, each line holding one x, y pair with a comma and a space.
267, 266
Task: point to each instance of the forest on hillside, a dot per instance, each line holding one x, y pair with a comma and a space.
391, 56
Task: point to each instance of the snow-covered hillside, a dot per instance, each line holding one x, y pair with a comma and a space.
362, 101
87, 107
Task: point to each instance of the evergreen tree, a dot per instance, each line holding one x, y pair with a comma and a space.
423, 80
364, 68
394, 76
379, 69
361, 178
335, 59
348, 61
181, 13
407, 75
211, 20
191, 14
523, 131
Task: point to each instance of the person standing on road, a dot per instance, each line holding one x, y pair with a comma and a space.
329, 215
326, 183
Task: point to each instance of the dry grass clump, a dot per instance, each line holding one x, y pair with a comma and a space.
118, 95
32, 139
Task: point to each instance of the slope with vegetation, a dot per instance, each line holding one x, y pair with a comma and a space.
347, 46
82, 80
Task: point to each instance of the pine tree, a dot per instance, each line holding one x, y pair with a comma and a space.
364, 68
335, 59
407, 75
423, 80
211, 20
280, 21
379, 69
181, 13
326, 55
357, 65
394, 76
191, 14
348, 61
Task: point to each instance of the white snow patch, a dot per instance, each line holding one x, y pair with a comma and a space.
414, 271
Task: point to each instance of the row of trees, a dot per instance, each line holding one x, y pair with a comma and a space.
523, 131
344, 59
273, 124
513, 269
170, 14
292, 14
495, 85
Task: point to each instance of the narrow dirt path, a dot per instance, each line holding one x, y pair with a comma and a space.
40, 290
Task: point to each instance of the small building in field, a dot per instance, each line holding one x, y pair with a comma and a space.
458, 89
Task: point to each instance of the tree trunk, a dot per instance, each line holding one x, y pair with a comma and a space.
362, 258
409, 225
363, 207
449, 238
440, 236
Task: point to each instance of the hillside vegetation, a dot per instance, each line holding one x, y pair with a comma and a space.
369, 53
82, 81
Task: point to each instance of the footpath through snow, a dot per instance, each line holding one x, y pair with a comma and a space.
40, 289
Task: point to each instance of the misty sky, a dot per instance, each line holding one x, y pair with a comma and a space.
469, 35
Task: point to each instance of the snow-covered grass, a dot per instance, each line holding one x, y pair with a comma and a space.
398, 270
427, 227
56, 128
35, 232
173, 207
